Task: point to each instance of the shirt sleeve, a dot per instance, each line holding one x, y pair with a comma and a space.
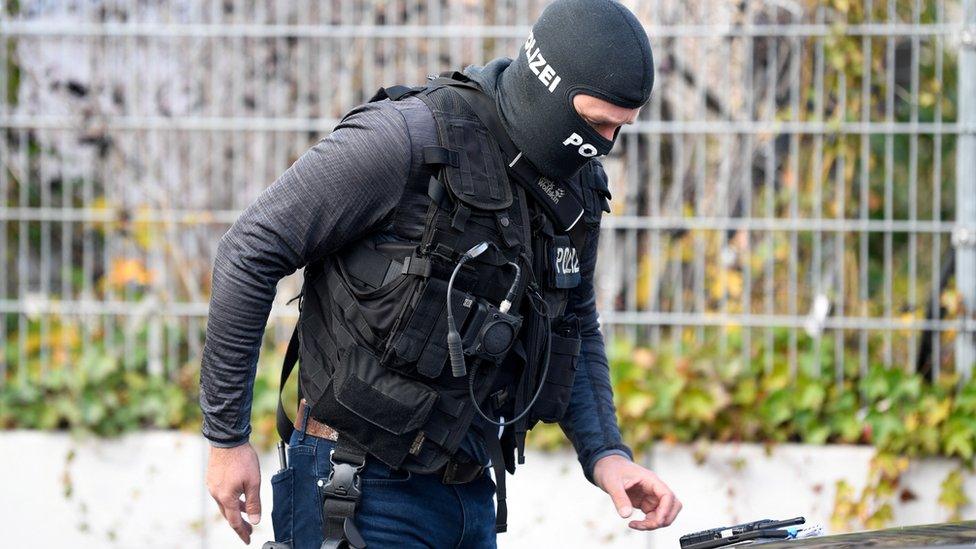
590, 422
334, 193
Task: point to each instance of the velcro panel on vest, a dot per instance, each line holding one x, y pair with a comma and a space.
380, 396
373, 405
480, 180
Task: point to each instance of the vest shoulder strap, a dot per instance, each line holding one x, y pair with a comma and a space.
561, 202
395, 93
282, 421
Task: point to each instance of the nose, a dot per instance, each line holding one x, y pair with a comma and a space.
608, 131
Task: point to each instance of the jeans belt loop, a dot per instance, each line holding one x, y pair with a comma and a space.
305, 413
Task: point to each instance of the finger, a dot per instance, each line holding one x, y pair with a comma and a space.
675, 509
647, 506
231, 511
649, 522
651, 506
618, 494
252, 500
663, 510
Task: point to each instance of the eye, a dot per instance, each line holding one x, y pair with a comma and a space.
596, 125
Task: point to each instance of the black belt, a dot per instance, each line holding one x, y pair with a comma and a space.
453, 472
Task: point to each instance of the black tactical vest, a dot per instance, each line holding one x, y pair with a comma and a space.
373, 331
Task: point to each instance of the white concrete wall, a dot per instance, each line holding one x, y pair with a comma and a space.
147, 490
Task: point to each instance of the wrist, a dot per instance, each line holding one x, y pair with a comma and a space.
606, 463
226, 449
228, 444
611, 458
591, 464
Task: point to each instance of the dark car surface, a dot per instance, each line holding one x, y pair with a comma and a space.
956, 534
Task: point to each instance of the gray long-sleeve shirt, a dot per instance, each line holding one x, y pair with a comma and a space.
337, 191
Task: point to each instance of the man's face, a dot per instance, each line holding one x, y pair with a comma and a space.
603, 116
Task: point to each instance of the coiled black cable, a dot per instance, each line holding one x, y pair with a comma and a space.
545, 369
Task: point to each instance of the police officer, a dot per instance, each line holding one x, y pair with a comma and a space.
449, 237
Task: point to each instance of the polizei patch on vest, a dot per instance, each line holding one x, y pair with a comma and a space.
565, 261
539, 66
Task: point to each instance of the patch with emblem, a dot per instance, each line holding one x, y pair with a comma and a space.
564, 259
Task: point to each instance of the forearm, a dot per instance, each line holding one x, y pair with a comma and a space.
243, 290
262, 247
590, 422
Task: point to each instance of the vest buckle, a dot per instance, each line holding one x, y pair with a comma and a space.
341, 492
343, 482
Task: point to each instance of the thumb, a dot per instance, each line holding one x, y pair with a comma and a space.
620, 499
252, 500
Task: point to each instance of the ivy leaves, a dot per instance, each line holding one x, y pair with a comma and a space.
693, 396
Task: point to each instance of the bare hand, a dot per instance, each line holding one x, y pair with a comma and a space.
232, 472
630, 485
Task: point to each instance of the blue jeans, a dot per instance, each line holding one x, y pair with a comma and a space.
398, 509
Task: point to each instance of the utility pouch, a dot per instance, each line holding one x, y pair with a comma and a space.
371, 292
419, 343
563, 363
372, 404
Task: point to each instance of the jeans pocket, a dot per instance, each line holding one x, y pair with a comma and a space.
283, 504
305, 456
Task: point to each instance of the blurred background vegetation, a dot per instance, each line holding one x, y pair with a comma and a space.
143, 253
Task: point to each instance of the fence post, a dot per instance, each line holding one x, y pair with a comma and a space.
964, 235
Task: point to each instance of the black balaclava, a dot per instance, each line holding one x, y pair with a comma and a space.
594, 47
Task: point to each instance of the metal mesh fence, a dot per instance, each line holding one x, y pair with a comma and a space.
791, 195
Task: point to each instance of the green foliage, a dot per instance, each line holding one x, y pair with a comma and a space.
953, 496
98, 396
671, 395
102, 394
694, 395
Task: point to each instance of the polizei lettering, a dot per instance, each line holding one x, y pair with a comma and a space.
585, 149
552, 191
567, 262
538, 65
